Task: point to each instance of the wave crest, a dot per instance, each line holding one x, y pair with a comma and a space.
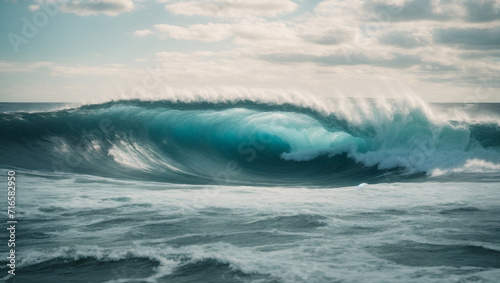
243, 141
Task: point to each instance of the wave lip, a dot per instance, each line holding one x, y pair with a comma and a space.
248, 142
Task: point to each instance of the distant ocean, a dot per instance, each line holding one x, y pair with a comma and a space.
255, 190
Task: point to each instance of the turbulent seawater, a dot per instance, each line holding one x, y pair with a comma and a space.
254, 190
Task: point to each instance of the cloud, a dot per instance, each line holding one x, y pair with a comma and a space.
483, 10
33, 8
469, 38
207, 33
95, 7
397, 60
434, 10
436, 47
142, 33
324, 35
62, 70
406, 39
116, 70
17, 67
232, 8
412, 10
481, 54
246, 32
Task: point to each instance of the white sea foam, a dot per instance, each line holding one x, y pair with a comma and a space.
471, 166
262, 231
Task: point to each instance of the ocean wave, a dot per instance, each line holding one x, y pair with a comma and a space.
217, 141
216, 261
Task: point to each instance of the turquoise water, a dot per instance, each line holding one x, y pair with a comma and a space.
247, 191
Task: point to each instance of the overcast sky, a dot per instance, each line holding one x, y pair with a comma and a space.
440, 50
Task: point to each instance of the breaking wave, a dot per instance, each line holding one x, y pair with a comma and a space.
251, 141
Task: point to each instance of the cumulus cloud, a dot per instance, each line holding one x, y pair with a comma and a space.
406, 39
207, 33
336, 35
142, 33
33, 8
397, 60
232, 8
414, 10
95, 7
435, 10
470, 38
434, 46
324, 35
244, 32
483, 10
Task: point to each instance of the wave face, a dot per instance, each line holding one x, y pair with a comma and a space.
250, 142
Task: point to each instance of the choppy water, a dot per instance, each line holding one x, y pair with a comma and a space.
253, 191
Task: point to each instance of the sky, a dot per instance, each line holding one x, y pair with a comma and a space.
88, 50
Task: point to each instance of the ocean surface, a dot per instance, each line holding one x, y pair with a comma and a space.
253, 190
